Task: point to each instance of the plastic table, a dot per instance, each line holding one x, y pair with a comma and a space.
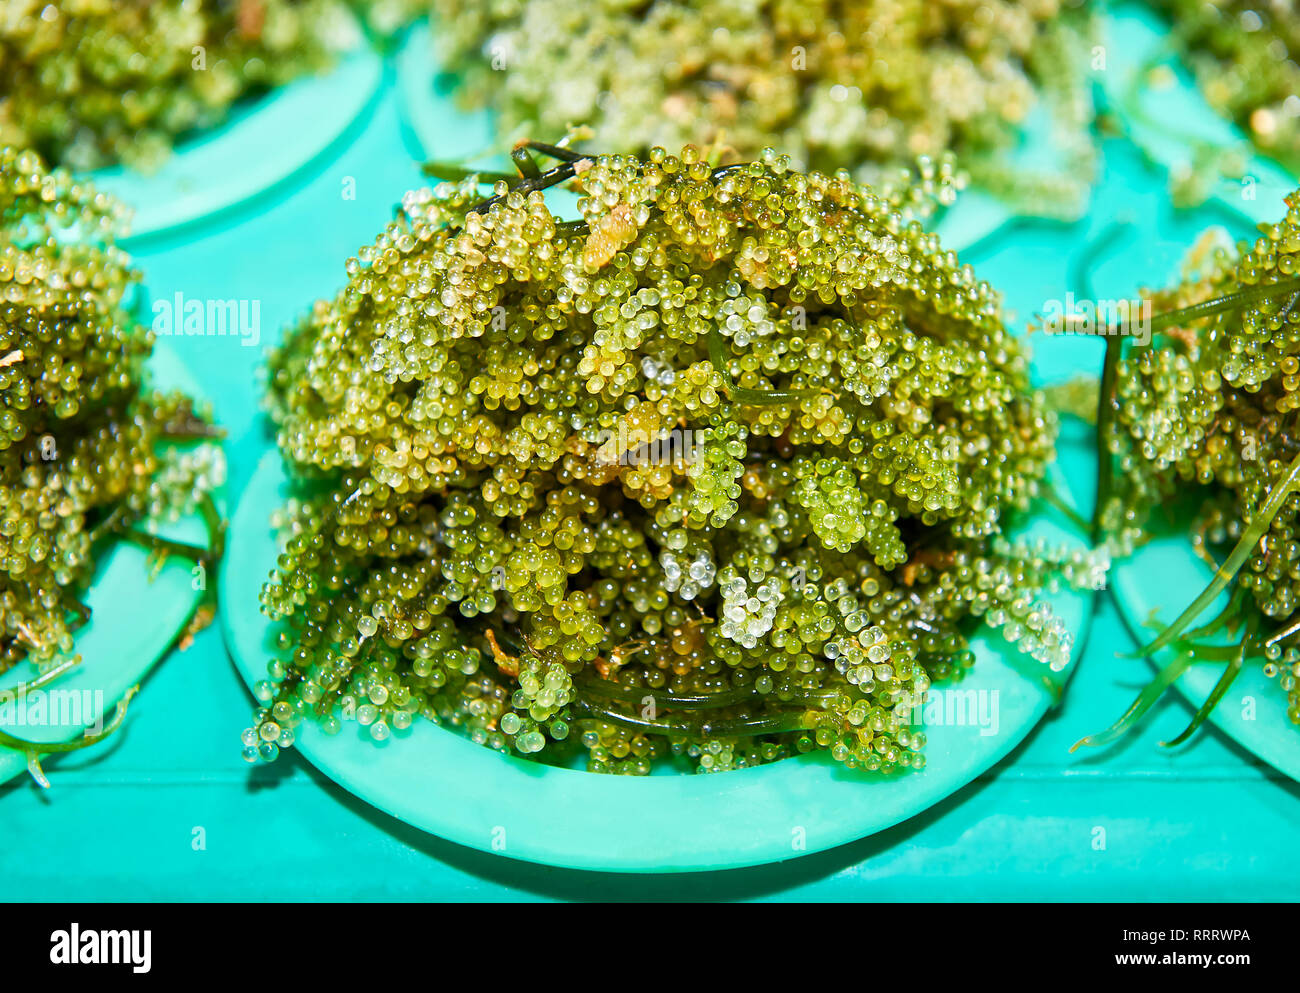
169, 811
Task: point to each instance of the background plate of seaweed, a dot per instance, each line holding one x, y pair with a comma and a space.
1166, 574
445, 132
439, 781
1156, 583
1174, 124
135, 617
265, 141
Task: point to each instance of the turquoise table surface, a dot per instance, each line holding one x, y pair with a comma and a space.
169, 811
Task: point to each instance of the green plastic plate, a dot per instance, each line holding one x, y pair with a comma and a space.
439, 128
265, 141
440, 782
134, 622
1157, 582
1169, 122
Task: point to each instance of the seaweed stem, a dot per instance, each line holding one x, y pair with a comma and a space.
775, 724
1144, 701
1230, 673
1235, 560
35, 749
742, 394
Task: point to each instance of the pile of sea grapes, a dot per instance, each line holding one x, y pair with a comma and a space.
722, 469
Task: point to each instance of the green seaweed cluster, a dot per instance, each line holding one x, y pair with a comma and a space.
721, 469
90, 453
90, 83
1209, 407
1246, 58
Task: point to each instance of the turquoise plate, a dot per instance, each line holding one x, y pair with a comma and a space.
444, 132
264, 142
1157, 582
135, 619
440, 782
1168, 122
440, 129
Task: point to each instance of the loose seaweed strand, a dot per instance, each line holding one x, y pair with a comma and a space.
1228, 614
633, 695
1081, 277
455, 173
1227, 302
742, 394
524, 162
35, 749
1144, 701
1049, 493
1230, 673
1105, 416
1235, 560
739, 728
44, 679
